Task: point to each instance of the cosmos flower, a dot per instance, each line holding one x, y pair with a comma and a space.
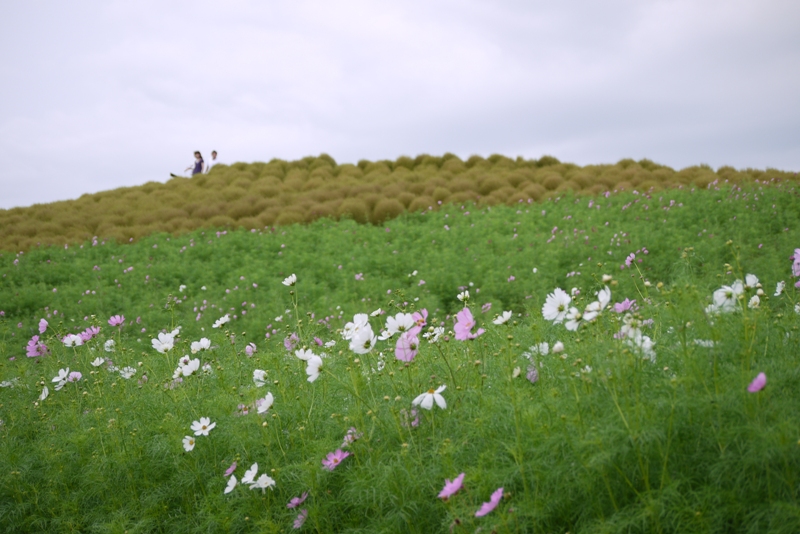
427, 399
164, 342
464, 325
127, 372
360, 321
203, 344
451, 488
502, 318
232, 482
35, 347
259, 378
45, 393
263, 482
301, 519
109, 345
407, 347
779, 288
250, 474
264, 404
221, 321
494, 500
758, 383
363, 340
556, 306
313, 368
72, 340
400, 323
290, 280
116, 320
230, 470
250, 349
42, 326
203, 426
334, 459
297, 501
188, 443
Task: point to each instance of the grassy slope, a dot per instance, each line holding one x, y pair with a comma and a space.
677, 446
285, 192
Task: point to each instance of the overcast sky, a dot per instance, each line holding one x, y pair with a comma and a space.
99, 95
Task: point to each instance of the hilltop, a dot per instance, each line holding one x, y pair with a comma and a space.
257, 195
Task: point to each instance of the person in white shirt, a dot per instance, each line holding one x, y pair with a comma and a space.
213, 161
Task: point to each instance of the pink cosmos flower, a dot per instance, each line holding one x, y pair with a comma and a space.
420, 319
318, 341
360, 276
796, 264
407, 347
297, 501
42, 326
758, 383
230, 470
35, 348
334, 458
494, 500
301, 518
451, 488
116, 320
533, 373
291, 341
486, 307
89, 333
74, 376
464, 325
351, 436
625, 305
250, 349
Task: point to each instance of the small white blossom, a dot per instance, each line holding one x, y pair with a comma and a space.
427, 399
290, 280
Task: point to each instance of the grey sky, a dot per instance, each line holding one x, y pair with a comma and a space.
99, 95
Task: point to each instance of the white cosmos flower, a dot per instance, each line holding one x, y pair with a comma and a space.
463, 296
750, 281
164, 342
502, 318
290, 280
304, 354
263, 483
98, 362
331, 343
376, 313
363, 341
592, 310
313, 367
797, 308
221, 321
127, 372
604, 297
188, 443
72, 340
181, 288
726, 296
558, 347
755, 302
250, 474
188, 368
109, 345
360, 320
265, 403
259, 378
542, 349
231, 484
573, 318
203, 426
402, 322
644, 345
45, 393
779, 288
434, 336
203, 344
427, 399
556, 306
61, 379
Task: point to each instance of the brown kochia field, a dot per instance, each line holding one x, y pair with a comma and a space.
254, 195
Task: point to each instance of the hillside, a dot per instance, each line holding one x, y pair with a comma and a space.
280, 192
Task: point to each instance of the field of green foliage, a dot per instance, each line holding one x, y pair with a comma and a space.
426, 374
278, 193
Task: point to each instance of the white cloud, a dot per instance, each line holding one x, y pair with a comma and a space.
99, 95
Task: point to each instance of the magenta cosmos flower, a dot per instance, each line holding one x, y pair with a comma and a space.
297, 501
301, 519
116, 320
42, 326
758, 383
334, 458
407, 347
464, 325
494, 500
35, 348
625, 305
451, 488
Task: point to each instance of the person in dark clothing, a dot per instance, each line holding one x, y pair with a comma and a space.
199, 166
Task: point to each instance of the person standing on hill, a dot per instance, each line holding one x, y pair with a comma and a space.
212, 162
198, 166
